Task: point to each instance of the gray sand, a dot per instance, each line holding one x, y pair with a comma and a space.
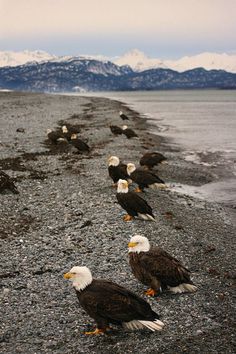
66, 214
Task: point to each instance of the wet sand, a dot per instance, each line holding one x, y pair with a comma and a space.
66, 214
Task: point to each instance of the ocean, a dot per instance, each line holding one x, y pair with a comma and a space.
202, 124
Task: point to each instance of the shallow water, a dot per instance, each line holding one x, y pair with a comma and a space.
202, 124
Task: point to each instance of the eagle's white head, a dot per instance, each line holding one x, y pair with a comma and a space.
122, 186
80, 277
64, 129
139, 244
49, 131
113, 161
124, 127
73, 136
120, 113
130, 168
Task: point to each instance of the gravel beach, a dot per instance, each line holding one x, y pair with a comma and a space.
66, 214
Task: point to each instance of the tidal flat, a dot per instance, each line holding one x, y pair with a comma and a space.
66, 214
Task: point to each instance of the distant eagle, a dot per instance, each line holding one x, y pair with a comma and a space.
129, 133
123, 116
109, 303
117, 170
79, 144
134, 205
6, 182
116, 130
54, 135
157, 269
144, 178
66, 133
151, 159
72, 128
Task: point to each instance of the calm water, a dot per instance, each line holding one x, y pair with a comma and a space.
202, 124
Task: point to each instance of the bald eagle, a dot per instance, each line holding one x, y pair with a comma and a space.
71, 128
79, 144
143, 178
123, 116
109, 303
133, 203
116, 130
157, 269
117, 170
151, 159
6, 182
129, 133
54, 135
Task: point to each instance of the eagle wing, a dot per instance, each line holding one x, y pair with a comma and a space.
145, 178
132, 202
166, 268
105, 299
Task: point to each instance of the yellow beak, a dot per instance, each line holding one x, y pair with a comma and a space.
68, 275
132, 244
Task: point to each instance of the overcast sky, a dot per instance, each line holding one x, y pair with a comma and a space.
160, 28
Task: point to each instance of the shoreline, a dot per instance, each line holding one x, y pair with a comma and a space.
57, 221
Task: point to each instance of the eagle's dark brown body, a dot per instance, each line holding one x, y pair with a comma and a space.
118, 172
158, 269
151, 159
130, 133
80, 145
124, 116
6, 182
107, 302
54, 135
134, 204
144, 178
116, 130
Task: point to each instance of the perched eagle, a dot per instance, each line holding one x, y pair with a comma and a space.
144, 178
72, 128
54, 135
129, 133
109, 303
116, 130
79, 144
6, 182
66, 133
151, 159
133, 203
157, 269
117, 170
123, 116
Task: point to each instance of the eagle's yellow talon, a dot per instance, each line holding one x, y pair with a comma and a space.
150, 292
128, 217
138, 190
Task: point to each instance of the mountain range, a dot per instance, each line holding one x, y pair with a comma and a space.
136, 59
83, 74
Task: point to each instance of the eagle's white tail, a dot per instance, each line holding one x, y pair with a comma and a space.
155, 325
183, 288
146, 217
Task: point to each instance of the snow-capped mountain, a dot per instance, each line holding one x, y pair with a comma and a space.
138, 61
10, 58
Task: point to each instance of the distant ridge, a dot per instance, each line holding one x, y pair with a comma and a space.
136, 59
83, 74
